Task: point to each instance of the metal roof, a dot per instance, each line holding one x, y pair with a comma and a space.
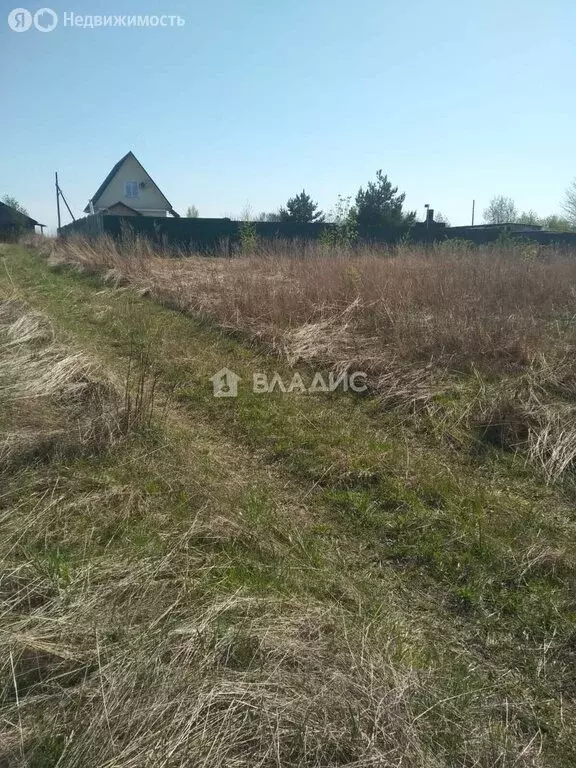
13, 213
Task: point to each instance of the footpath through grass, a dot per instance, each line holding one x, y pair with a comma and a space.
266, 551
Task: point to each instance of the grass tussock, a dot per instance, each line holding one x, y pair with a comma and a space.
53, 400
43, 382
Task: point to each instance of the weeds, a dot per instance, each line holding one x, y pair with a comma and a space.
369, 597
422, 323
42, 382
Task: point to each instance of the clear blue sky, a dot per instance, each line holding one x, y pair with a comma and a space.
251, 101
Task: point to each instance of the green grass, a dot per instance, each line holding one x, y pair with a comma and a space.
459, 562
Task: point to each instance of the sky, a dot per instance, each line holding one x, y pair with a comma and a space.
248, 102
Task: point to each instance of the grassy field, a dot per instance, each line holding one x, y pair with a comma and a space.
285, 580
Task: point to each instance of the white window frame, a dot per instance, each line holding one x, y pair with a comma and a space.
131, 190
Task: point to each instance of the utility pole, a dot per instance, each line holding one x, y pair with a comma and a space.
473, 210
60, 194
58, 199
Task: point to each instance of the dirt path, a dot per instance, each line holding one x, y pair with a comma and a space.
327, 498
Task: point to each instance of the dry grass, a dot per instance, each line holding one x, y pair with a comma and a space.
241, 682
123, 646
421, 323
43, 382
53, 400
453, 309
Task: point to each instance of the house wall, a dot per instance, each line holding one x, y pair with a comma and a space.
13, 224
149, 202
10, 231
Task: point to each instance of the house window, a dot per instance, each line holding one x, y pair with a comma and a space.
131, 189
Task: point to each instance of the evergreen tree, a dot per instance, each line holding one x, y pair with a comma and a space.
301, 210
381, 205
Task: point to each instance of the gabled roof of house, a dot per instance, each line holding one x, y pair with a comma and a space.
95, 197
13, 214
123, 205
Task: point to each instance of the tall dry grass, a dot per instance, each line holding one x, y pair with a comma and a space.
455, 308
499, 322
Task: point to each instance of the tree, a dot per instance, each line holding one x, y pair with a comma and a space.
501, 210
271, 216
301, 209
344, 233
439, 218
342, 211
380, 204
552, 223
13, 203
246, 213
556, 223
529, 217
192, 212
569, 205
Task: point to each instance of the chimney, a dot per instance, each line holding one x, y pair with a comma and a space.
429, 217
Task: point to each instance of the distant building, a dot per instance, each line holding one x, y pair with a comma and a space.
13, 223
129, 190
514, 227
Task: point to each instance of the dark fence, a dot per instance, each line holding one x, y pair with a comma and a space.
485, 236
187, 234
224, 235
89, 226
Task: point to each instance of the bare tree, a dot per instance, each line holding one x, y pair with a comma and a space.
192, 212
270, 216
529, 217
552, 223
246, 213
441, 219
501, 210
13, 203
569, 204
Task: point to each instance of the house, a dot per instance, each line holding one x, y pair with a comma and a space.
13, 223
129, 190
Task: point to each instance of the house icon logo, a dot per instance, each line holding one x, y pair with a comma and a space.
225, 383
